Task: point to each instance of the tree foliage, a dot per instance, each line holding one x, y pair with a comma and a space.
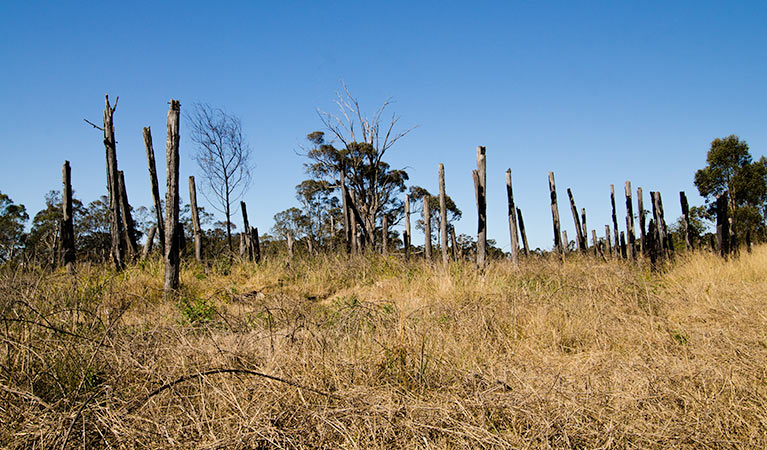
12, 220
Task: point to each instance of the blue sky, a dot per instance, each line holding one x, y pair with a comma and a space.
598, 92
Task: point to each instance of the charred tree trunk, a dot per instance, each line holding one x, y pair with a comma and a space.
555, 215
442, 215
685, 220
579, 238
512, 213
256, 244
615, 222
481, 186
117, 249
427, 227
585, 230
407, 235
67, 221
521, 223
642, 223
129, 230
195, 220
630, 221
172, 228
608, 244
155, 187
246, 232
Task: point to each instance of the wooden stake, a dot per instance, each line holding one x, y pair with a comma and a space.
172, 232
615, 222
521, 223
512, 212
155, 187
195, 220
481, 207
442, 215
427, 227
579, 237
67, 221
630, 220
595, 241
555, 214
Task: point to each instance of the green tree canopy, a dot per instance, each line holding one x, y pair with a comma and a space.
12, 220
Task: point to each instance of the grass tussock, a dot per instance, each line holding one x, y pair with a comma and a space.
373, 352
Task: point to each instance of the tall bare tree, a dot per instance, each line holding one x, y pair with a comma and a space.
223, 156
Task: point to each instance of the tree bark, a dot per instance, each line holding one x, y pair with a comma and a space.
630, 220
172, 232
642, 222
443, 215
427, 227
148, 244
521, 222
566, 242
585, 230
256, 244
481, 207
454, 243
117, 249
129, 230
512, 213
195, 220
347, 220
384, 234
155, 187
67, 221
555, 215
407, 227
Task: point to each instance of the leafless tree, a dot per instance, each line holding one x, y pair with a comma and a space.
223, 154
365, 142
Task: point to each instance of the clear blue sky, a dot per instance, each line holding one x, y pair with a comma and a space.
598, 92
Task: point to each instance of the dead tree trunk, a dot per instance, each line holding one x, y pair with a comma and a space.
384, 234
595, 241
172, 232
427, 227
243, 246
67, 221
685, 220
642, 223
442, 215
155, 187
256, 244
246, 232
555, 215
623, 246
630, 221
615, 222
521, 223
608, 244
512, 212
579, 238
406, 237
195, 220
117, 249
347, 219
481, 207
454, 242
585, 230
148, 243
566, 242
129, 229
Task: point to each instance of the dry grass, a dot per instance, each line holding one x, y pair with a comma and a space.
376, 353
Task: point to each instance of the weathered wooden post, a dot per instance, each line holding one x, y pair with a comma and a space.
685, 220
129, 230
454, 243
442, 215
67, 221
384, 234
155, 187
521, 223
579, 238
148, 243
566, 242
661, 224
243, 246
585, 230
195, 220
427, 227
608, 244
555, 215
481, 189
117, 249
623, 246
642, 234
256, 244
407, 236
615, 222
595, 241
630, 221
723, 224
512, 212
172, 232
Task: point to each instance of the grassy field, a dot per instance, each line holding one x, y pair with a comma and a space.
370, 352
